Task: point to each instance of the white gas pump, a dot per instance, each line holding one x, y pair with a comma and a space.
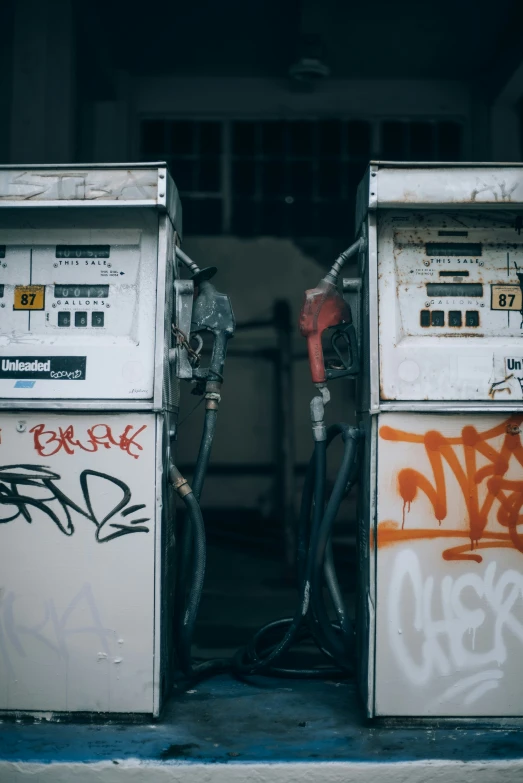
441, 533
88, 406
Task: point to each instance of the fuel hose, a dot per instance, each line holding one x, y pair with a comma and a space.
190, 601
185, 542
315, 567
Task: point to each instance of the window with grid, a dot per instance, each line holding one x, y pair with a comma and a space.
284, 178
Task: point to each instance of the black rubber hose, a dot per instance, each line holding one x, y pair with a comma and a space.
333, 586
186, 549
319, 461
334, 640
252, 660
192, 561
189, 610
330, 572
255, 651
204, 452
339, 644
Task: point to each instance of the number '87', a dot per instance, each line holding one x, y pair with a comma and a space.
502, 300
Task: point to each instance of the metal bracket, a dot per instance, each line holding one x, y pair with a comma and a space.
183, 293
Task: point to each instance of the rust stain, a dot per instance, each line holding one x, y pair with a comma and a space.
494, 390
441, 449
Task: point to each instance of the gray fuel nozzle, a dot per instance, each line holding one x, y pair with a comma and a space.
212, 312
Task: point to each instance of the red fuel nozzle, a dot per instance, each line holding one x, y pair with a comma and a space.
323, 308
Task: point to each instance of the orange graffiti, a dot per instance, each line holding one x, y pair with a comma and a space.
507, 492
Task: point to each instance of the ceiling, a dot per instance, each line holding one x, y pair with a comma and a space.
429, 39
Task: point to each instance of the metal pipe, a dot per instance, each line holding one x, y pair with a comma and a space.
189, 263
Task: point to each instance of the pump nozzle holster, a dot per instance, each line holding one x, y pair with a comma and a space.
323, 308
212, 312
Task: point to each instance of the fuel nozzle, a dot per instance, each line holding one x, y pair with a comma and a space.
198, 275
323, 308
212, 312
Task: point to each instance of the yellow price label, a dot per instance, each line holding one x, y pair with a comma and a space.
29, 297
506, 297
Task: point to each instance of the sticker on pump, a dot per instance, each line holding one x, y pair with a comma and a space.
29, 297
506, 297
53, 368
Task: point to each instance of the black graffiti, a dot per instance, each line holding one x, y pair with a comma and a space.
57, 506
519, 272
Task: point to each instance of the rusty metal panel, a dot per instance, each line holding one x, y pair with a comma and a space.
78, 185
449, 565
113, 185
434, 186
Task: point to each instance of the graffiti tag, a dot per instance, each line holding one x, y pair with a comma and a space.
471, 479
48, 442
53, 629
25, 489
428, 643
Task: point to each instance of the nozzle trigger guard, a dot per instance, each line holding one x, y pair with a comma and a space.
349, 358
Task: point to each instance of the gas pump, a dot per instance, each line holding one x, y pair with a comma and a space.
89, 386
440, 620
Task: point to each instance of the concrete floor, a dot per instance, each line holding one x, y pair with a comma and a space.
273, 730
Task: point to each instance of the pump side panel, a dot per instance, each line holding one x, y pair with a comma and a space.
77, 506
449, 565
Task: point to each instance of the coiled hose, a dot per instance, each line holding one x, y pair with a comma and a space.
315, 564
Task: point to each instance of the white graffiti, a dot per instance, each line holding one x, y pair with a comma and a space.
440, 638
53, 631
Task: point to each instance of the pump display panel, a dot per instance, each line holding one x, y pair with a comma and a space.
446, 280
78, 297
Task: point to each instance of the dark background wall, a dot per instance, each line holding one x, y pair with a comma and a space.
267, 165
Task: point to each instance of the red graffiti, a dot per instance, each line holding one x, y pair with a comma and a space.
48, 441
508, 493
